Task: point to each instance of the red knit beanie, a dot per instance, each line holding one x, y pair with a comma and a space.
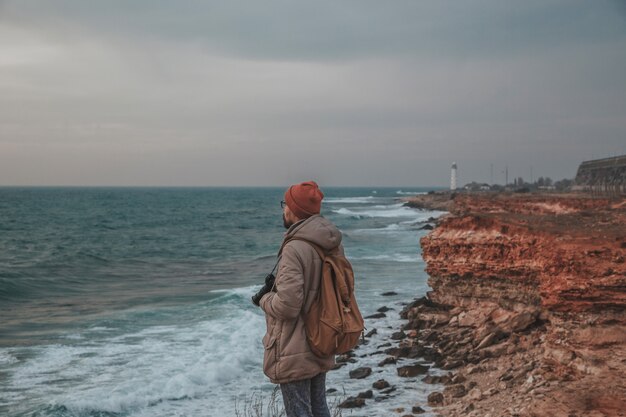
304, 199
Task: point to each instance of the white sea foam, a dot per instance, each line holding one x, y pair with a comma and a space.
6, 358
137, 370
388, 211
391, 228
400, 192
393, 258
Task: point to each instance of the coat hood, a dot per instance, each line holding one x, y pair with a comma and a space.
318, 230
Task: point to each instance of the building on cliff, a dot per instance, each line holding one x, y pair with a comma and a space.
606, 175
453, 177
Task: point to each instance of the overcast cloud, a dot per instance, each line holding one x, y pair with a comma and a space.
278, 91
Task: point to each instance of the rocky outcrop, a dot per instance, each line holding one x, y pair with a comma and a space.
527, 308
440, 200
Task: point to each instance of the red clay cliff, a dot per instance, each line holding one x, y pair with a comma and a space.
528, 306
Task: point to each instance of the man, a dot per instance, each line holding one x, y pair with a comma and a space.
288, 359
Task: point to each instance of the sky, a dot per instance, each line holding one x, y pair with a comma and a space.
273, 92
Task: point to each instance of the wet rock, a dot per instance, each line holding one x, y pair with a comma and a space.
338, 365
383, 309
371, 333
384, 345
399, 352
427, 227
435, 399
388, 390
381, 398
380, 384
360, 373
352, 402
398, 335
331, 390
412, 370
389, 293
365, 394
389, 360
417, 410
436, 379
376, 316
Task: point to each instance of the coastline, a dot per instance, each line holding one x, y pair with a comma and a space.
526, 315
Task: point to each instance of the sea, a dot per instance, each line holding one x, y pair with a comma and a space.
135, 302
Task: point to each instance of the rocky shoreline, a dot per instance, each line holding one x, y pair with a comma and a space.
527, 312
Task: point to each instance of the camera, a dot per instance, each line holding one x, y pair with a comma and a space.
267, 287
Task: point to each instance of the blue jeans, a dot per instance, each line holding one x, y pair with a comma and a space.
306, 398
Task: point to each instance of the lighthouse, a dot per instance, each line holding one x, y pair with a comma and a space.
453, 178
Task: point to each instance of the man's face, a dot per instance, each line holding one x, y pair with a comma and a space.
288, 220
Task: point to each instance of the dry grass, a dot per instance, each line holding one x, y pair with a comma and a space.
255, 405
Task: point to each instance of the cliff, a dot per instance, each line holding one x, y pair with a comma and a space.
528, 306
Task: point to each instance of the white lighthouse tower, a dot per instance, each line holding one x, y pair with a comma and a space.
453, 178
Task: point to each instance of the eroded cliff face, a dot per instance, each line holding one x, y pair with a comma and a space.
528, 305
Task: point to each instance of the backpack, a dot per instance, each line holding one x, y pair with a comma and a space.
333, 323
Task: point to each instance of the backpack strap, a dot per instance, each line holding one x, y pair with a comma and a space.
341, 281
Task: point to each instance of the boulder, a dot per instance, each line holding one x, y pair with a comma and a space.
398, 335
435, 399
487, 340
412, 370
360, 373
365, 394
389, 360
511, 322
388, 390
417, 410
380, 384
455, 391
436, 379
371, 333
352, 402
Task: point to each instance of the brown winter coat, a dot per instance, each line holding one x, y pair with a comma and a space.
287, 354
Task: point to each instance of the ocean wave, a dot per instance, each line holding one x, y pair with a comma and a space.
392, 258
135, 371
392, 228
389, 211
6, 358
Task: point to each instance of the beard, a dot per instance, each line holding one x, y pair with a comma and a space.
286, 223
